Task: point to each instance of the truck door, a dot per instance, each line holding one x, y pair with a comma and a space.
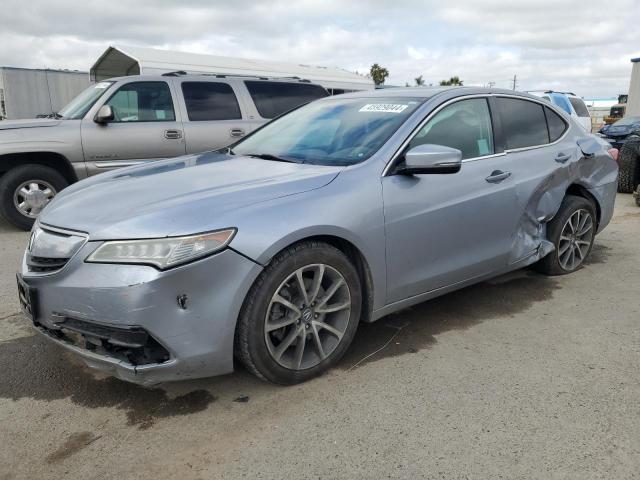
146, 127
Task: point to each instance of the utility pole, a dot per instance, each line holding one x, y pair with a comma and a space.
515, 81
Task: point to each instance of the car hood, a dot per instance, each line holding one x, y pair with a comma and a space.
31, 123
178, 196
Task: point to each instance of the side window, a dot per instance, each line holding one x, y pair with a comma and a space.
210, 101
555, 123
579, 106
275, 98
143, 102
464, 125
523, 123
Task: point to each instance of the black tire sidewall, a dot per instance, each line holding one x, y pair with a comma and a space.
12, 180
255, 316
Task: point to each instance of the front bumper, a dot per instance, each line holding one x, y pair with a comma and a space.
195, 339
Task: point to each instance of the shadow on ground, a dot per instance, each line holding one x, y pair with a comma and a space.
34, 368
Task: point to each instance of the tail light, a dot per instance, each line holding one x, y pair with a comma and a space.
614, 153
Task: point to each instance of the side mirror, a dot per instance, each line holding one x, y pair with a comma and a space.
425, 159
105, 115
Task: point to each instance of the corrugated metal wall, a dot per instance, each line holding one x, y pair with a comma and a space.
28, 93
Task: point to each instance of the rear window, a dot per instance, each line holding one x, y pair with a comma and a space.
556, 124
210, 101
579, 106
523, 123
275, 98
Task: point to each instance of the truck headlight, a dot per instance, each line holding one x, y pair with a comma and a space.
162, 253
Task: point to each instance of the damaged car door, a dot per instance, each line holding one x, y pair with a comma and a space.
443, 229
540, 154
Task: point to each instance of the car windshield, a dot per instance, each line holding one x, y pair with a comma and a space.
330, 132
627, 121
80, 105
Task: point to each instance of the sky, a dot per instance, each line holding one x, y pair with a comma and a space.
584, 46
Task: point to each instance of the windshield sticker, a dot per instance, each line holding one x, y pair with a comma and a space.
383, 107
102, 85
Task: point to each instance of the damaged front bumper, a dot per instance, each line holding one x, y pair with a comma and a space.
140, 324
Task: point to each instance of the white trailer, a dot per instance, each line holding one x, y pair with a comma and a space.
633, 103
118, 61
27, 92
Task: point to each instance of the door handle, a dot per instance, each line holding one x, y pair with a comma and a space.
237, 132
562, 158
173, 134
497, 176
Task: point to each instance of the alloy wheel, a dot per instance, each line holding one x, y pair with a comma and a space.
575, 239
307, 316
32, 196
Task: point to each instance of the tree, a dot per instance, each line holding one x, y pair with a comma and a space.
378, 74
451, 81
419, 81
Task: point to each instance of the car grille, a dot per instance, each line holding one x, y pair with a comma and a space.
132, 344
45, 264
50, 248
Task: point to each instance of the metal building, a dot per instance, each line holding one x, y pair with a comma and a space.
26, 92
633, 103
118, 61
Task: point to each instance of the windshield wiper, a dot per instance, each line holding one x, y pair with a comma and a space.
268, 156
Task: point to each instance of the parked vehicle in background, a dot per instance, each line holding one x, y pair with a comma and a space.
131, 120
617, 111
344, 210
625, 136
570, 103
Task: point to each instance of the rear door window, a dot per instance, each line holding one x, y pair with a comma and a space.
555, 123
210, 101
523, 123
275, 98
579, 106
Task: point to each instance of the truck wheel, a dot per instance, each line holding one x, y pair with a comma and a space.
629, 166
26, 190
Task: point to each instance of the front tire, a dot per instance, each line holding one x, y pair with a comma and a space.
301, 314
26, 190
572, 231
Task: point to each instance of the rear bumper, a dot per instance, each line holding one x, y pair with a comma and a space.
125, 311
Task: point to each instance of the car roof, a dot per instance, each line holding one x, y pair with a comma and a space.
429, 92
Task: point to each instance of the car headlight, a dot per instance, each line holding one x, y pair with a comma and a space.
162, 253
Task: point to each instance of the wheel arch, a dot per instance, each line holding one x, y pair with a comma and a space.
353, 253
578, 190
50, 159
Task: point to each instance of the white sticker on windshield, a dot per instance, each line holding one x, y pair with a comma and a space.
102, 85
384, 107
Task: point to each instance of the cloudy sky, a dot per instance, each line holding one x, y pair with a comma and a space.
580, 45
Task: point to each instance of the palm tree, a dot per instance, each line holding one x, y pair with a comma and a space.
378, 74
419, 81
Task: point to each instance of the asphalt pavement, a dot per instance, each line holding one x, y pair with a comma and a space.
524, 376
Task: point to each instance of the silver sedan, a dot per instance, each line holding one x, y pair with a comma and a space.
342, 211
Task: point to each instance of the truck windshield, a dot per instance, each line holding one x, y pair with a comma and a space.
79, 106
330, 132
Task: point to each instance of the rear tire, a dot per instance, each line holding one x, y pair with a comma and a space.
279, 337
572, 231
629, 165
49, 182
